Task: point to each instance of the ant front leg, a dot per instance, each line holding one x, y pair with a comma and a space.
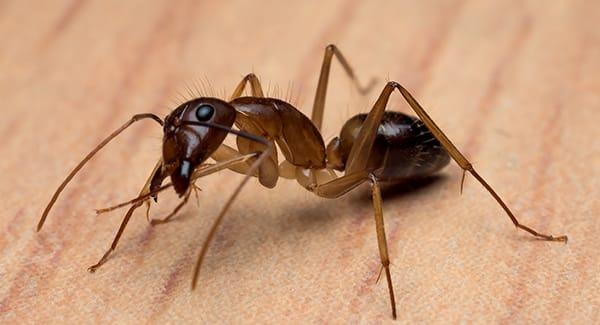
359, 154
225, 152
177, 208
104, 258
202, 171
145, 190
255, 87
146, 194
319, 103
155, 179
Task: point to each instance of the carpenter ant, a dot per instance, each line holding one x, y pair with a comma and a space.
381, 146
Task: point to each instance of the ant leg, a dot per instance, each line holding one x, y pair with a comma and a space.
136, 203
224, 153
145, 190
104, 258
255, 87
339, 186
198, 173
381, 241
219, 218
268, 173
360, 151
174, 212
196, 190
146, 194
342, 185
155, 179
104, 142
319, 103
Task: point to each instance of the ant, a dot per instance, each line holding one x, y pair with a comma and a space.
378, 147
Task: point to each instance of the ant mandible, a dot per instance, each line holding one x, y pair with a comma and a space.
381, 146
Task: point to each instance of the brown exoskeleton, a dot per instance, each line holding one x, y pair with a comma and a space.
381, 146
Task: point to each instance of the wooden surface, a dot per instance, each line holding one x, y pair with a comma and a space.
514, 84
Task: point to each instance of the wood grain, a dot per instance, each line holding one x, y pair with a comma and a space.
514, 84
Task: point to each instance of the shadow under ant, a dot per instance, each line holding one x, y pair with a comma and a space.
410, 186
321, 213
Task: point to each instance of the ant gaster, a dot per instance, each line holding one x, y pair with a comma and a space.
381, 146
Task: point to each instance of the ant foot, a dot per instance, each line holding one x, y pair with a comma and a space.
155, 222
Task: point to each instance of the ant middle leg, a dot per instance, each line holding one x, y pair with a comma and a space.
321, 93
360, 151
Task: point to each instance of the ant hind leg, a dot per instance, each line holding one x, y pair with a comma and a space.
360, 151
381, 240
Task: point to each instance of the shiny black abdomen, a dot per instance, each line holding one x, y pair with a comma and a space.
405, 148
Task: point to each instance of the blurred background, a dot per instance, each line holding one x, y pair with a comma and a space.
514, 84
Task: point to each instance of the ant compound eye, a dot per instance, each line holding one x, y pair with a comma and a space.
204, 112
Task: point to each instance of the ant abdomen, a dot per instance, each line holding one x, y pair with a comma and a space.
403, 148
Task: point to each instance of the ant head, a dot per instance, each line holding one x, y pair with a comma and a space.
185, 145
